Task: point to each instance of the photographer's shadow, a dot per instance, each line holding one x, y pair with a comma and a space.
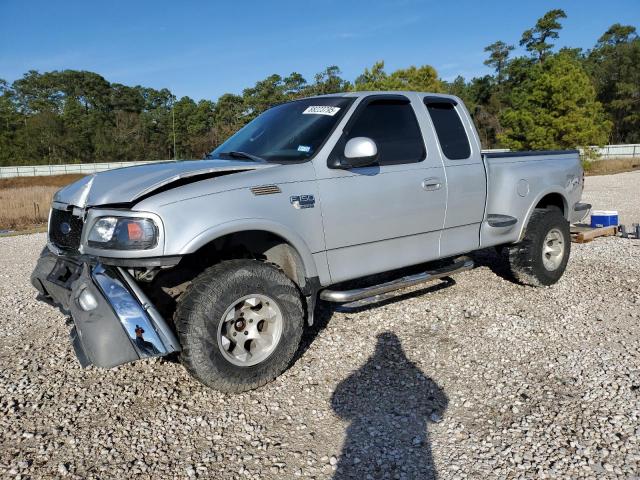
389, 403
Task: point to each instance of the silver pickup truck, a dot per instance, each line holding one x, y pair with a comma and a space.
223, 259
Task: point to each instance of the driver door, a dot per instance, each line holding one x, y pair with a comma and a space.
387, 215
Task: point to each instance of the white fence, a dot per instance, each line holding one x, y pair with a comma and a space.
46, 170
631, 150
606, 152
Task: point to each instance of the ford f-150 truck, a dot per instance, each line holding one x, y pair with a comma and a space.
223, 259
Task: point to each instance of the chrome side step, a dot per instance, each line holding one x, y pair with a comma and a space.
459, 265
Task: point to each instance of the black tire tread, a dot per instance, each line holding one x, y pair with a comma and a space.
524, 259
190, 324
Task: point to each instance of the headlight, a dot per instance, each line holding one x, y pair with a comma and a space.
123, 233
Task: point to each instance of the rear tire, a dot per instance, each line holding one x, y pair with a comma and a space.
218, 322
541, 257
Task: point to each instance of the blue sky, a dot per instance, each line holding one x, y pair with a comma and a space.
204, 49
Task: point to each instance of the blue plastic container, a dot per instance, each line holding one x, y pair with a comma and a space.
604, 218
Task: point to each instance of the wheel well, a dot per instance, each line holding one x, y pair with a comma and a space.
555, 200
258, 244
165, 286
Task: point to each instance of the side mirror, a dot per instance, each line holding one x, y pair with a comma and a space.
358, 152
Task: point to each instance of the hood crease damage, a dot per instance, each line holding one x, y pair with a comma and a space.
129, 185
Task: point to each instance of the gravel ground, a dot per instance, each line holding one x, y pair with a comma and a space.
475, 378
619, 192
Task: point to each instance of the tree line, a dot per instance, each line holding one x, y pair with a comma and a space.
544, 99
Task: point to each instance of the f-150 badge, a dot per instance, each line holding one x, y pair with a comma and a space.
302, 201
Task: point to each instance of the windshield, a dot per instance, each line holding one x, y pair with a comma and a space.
293, 131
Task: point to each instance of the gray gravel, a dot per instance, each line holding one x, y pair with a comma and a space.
479, 378
619, 192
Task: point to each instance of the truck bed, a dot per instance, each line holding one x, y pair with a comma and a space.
518, 181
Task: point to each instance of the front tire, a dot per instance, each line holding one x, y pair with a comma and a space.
541, 257
239, 325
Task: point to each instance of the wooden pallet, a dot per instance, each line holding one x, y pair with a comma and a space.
584, 234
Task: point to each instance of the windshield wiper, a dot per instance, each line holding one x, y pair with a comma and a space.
246, 155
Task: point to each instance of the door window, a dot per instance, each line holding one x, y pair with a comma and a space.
393, 126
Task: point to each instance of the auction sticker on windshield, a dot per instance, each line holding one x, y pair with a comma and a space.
321, 110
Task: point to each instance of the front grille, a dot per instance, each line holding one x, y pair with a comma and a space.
65, 229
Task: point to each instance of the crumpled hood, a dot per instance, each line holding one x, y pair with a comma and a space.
128, 184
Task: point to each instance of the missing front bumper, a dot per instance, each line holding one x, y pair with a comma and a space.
114, 322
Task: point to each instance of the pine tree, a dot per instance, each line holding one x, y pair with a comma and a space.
554, 107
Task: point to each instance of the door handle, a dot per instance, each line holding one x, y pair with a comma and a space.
432, 183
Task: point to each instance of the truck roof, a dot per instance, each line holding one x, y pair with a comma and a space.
386, 92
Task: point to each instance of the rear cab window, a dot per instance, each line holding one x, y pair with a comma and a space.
449, 128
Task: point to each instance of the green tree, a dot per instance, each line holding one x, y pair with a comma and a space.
37, 93
488, 102
516, 73
193, 124
554, 107
460, 88
328, 81
547, 27
269, 92
498, 57
617, 34
228, 117
74, 116
41, 139
483, 98
294, 85
157, 123
422, 79
374, 79
10, 123
78, 131
614, 66
123, 138
200, 129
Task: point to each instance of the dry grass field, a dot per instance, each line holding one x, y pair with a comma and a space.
25, 201
614, 165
